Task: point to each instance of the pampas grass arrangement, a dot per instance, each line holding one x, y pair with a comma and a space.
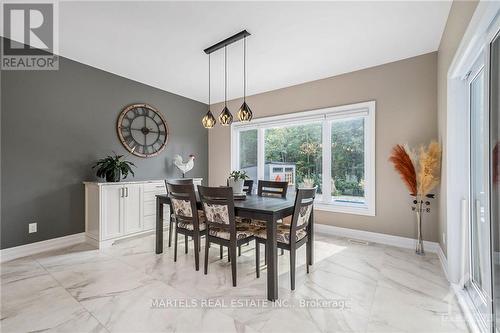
429, 166
405, 161
403, 164
419, 183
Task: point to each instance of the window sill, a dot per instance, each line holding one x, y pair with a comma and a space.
345, 209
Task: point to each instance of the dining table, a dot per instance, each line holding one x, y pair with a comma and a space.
268, 209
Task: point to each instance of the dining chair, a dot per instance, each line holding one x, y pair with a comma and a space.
269, 188
187, 223
179, 181
248, 186
223, 227
293, 236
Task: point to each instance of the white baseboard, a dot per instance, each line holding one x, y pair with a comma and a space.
42, 246
375, 237
103, 244
444, 261
92, 241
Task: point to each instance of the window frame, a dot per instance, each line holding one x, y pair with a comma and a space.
325, 116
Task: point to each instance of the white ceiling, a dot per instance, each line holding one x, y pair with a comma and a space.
161, 43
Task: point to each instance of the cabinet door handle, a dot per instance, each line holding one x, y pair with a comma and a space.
126, 188
122, 192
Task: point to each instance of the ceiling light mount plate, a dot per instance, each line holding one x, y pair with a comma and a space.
227, 41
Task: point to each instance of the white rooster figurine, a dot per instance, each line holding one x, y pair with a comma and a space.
184, 166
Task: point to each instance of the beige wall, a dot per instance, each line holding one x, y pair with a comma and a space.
405, 93
460, 14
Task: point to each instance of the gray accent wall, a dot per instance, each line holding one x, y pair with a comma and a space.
55, 124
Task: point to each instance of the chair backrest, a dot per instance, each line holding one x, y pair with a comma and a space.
304, 201
248, 186
267, 188
179, 181
218, 205
183, 199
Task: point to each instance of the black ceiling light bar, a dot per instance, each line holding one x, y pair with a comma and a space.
225, 117
227, 41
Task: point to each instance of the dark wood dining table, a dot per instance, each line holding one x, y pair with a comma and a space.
254, 207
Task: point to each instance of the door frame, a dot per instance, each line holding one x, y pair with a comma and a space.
474, 41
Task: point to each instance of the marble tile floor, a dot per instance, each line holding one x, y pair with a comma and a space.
128, 288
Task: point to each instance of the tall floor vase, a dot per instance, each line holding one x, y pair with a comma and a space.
420, 242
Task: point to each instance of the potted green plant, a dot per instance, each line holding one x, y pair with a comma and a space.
112, 168
236, 180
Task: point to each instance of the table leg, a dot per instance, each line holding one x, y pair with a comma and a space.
170, 227
197, 240
310, 239
159, 226
272, 260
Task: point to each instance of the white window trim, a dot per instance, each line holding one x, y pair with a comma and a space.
366, 109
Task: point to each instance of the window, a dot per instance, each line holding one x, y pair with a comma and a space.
248, 153
348, 165
297, 148
332, 149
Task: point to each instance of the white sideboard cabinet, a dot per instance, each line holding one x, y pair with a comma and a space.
118, 210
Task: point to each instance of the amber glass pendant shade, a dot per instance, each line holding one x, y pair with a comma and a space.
208, 120
244, 113
225, 117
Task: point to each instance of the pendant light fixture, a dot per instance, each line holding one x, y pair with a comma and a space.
244, 113
225, 117
208, 120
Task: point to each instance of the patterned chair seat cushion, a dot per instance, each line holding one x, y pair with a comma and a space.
190, 226
282, 233
241, 219
258, 223
261, 223
243, 230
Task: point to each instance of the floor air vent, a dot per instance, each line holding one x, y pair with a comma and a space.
358, 242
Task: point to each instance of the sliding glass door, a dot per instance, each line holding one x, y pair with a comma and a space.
494, 154
472, 157
479, 283
483, 284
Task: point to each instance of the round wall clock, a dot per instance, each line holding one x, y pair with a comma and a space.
142, 130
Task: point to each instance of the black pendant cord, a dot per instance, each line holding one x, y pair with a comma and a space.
208, 82
244, 69
225, 75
